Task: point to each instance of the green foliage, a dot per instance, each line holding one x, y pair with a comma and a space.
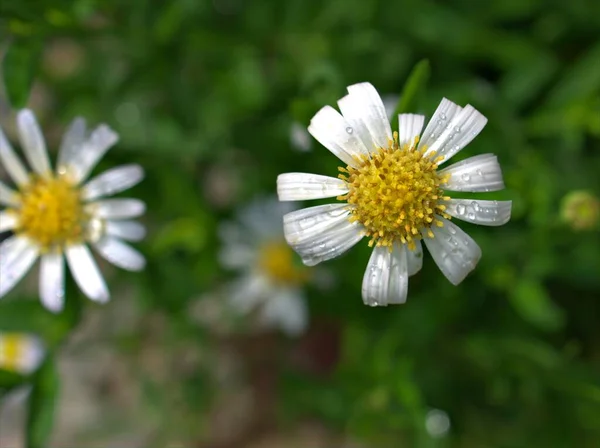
203, 94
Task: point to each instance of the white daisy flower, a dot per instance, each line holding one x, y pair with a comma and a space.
393, 192
271, 284
20, 352
55, 214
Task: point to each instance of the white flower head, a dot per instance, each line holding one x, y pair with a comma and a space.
56, 214
21, 352
271, 284
393, 192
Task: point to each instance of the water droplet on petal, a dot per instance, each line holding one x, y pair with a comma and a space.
471, 216
466, 177
457, 128
349, 130
442, 116
460, 209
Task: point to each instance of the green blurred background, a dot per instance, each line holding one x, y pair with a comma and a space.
204, 95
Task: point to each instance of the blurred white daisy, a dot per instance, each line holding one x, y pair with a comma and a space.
54, 214
20, 352
271, 282
393, 192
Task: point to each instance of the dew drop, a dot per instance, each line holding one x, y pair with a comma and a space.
457, 128
471, 216
452, 230
460, 209
480, 173
442, 116
349, 130
466, 177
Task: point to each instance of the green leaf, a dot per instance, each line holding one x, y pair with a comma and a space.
414, 85
10, 379
19, 68
531, 301
42, 405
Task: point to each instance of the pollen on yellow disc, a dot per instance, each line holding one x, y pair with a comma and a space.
51, 212
396, 192
276, 260
11, 351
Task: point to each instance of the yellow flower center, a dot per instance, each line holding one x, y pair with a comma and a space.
276, 260
11, 351
396, 192
51, 212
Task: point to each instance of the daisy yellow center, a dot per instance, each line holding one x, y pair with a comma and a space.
397, 193
11, 351
276, 260
51, 212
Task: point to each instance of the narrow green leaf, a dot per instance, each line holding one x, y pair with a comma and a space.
414, 85
42, 405
19, 68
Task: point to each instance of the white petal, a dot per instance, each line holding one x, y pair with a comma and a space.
11, 248
248, 292
455, 252
485, 213
465, 126
337, 135
236, 256
8, 196
409, 128
15, 266
321, 233
415, 258
101, 139
120, 254
301, 186
286, 310
33, 142
386, 277
86, 273
368, 107
113, 181
438, 123
117, 208
72, 143
8, 221
475, 174
353, 113
52, 281
126, 230
11, 162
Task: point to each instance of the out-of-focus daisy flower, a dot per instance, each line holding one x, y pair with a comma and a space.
20, 352
271, 284
54, 214
393, 192
581, 210
437, 423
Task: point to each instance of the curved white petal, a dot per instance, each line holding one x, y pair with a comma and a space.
414, 258
120, 253
33, 142
439, 122
248, 292
85, 271
337, 135
455, 252
386, 277
465, 126
236, 255
286, 310
11, 162
485, 213
409, 128
301, 186
72, 143
321, 233
126, 230
16, 264
117, 208
112, 181
8, 221
8, 196
367, 106
52, 281
352, 113
475, 174
93, 149
11, 248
